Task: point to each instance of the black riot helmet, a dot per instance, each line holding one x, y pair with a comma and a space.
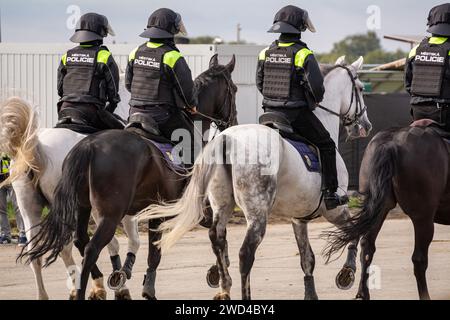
439, 20
164, 23
291, 19
91, 27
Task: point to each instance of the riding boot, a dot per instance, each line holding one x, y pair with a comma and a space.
331, 198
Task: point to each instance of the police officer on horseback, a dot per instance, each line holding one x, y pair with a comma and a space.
159, 79
427, 75
88, 76
289, 78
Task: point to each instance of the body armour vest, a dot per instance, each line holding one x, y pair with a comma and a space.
282, 80
80, 78
150, 83
431, 76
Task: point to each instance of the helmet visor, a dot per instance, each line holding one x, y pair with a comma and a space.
180, 25
309, 23
110, 30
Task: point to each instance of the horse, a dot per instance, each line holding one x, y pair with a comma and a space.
253, 167
397, 169
117, 173
37, 156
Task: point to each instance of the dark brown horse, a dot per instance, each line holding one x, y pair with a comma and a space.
118, 173
409, 167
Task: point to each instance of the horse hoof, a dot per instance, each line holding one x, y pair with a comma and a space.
117, 280
345, 278
123, 294
99, 294
213, 277
148, 297
222, 296
73, 295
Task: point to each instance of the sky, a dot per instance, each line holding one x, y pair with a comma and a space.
43, 21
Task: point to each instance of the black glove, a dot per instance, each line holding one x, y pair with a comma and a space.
111, 107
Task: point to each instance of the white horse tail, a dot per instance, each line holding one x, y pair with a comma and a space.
189, 210
18, 138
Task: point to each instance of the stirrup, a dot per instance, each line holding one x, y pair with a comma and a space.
333, 200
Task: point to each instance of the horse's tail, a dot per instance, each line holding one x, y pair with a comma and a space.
189, 210
383, 168
18, 137
58, 227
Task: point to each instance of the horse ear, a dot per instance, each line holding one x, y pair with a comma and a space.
358, 63
231, 64
214, 61
340, 60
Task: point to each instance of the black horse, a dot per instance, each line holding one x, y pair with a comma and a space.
409, 167
116, 173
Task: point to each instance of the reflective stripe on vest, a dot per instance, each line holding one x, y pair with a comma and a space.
300, 57
170, 58
102, 57
5, 166
430, 63
278, 71
432, 40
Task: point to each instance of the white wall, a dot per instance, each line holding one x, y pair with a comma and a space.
30, 70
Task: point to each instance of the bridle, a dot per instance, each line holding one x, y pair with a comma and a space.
346, 119
224, 124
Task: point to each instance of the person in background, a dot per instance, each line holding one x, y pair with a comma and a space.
5, 193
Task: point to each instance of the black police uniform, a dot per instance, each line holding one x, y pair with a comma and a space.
289, 78
283, 88
157, 72
88, 76
427, 74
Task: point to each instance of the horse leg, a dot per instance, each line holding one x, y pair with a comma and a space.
346, 276
113, 248
423, 235
131, 230
307, 259
102, 236
31, 204
153, 260
256, 230
71, 267
368, 249
217, 235
81, 239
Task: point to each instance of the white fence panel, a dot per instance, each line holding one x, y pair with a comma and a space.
30, 70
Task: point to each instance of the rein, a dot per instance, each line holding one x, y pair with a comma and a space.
219, 122
346, 120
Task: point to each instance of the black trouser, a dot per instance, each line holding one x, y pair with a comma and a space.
170, 119
440, 115
306, 124
85, 112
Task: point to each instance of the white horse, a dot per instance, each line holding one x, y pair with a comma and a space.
44, 150
264, 175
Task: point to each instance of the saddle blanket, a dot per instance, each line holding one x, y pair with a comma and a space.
308, 154
173, 161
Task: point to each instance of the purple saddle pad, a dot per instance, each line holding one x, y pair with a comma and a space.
174, 162
308, 154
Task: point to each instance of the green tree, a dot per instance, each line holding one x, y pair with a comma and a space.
366, 45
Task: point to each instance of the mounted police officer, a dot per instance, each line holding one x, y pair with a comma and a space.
427, 75
289, 78
158, 76
88, 76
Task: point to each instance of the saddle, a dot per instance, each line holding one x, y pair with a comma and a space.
433, 126
82, 122
143, 125
308, 151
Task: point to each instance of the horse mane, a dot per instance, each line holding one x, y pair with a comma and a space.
207, 77
327, 68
